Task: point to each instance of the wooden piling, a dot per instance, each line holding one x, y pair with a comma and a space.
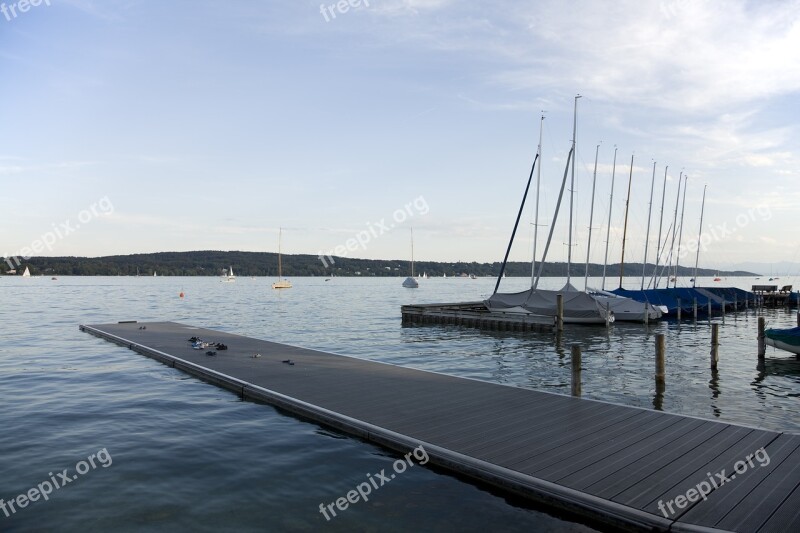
694, 308
723, 306
646, 314
679, 309
762, 344
560, 312
709, 308
661, 367
576, 369
714, 345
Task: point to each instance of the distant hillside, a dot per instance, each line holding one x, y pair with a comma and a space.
212, 263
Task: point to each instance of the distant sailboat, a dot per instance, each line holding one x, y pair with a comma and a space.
410, 282
229, 277
155, 275
27, 273
281, 283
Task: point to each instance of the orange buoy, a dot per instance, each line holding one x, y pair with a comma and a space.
181, 294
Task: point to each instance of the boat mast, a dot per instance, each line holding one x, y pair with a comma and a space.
680, 235
649, 216
516, 223
572, 186
660, 226
412, 252
591, 218
625, 226
280, 232
553, 225
674, 227
536, 210
608, 227
699, 236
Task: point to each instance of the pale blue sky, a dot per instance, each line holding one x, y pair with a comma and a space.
208, 125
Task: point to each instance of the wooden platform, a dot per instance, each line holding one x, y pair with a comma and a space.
605, 462
476, 315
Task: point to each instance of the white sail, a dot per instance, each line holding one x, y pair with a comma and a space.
27, 273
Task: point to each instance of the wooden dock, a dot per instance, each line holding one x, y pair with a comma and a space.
607, 464
475, 315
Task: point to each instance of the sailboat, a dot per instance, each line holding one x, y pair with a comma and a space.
410, 282
229, 277
281, 283
27, 273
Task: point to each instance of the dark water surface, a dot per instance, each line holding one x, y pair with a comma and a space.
188, 456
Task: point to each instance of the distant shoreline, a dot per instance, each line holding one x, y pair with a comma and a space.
246, 264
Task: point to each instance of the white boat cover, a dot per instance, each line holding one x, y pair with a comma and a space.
577, 304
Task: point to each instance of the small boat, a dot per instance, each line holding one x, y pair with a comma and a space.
281, 283
717, 279
54, 278
410, 282
785, 339
229, 277
27, 273
473, 276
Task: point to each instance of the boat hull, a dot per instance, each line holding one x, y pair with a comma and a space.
784, 339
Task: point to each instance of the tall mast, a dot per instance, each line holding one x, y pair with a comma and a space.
680, 235
674, 227
280, 232
553, 225
516, 224
608, 227
536, 210
572, 185
591, 218
649, 216
625, 227
412, 252
660, 225
699, 236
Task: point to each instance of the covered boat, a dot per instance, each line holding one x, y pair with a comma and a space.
785, 339
579, 307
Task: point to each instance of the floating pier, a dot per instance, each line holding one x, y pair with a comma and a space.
609, 464
476, 315
770, 296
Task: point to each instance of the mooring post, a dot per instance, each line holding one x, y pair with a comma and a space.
709, 308
646, 314
576, 369
661, 370
560, 312
762, 344
714, 345
723, 307
679, 309
694, 308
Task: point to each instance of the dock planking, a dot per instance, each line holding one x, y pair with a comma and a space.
607, 463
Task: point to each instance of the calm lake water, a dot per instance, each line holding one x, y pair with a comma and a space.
186, 455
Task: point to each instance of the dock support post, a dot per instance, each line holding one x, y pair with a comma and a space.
661, 367
646, 314
679, 309
714, 346
560, 312
694, 309
576, 369
709, 308
762, 344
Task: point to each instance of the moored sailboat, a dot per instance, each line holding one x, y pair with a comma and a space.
410, 282
281, 283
